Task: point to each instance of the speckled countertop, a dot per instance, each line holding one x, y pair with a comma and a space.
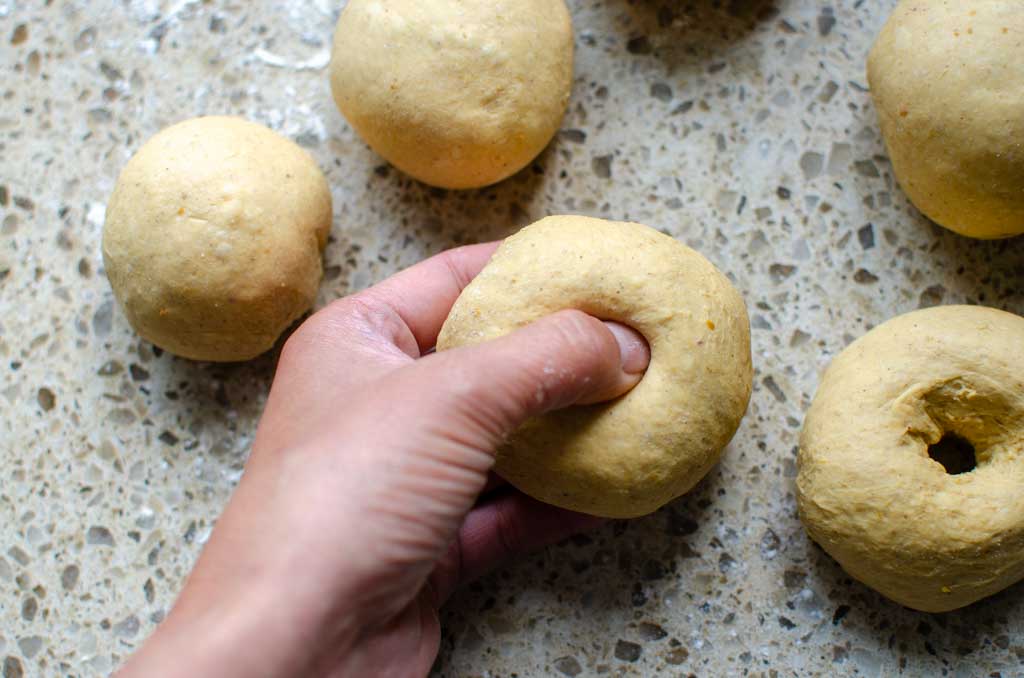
744, 128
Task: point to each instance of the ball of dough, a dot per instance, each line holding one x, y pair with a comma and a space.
213, 238
630, 456
948, 81
894, 411
456, 93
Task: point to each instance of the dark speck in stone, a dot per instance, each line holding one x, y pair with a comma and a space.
69, 577
640, 45
627, 651
85, 39
794, 579
865, 277
3, 196
110, 368
12, 668
112, 73
15, 365
568, 666
84, 268
682, 108
602, 166
677, 656
932, 296
576, 136
217, 25
99, 536
784, 193
680, 525
20, 34
780, 272
786, 623
103, 318
168, 438
866, 236
826, 21
840, 614
381, 170
770, 544
773, 387
651, 632
138, 372
29, 607
639, 598
726, 563
47, 400
24, 203
661, 92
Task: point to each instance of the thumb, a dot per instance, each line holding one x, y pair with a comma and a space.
569, 358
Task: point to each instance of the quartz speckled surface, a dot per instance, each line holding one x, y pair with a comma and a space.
743, 128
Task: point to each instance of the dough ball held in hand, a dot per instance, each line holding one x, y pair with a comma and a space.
457, 93
213, 238
948, 81
627, 457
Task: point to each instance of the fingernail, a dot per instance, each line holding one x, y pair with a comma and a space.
634, 352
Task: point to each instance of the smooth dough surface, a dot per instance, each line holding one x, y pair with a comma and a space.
630, 456
456, 93
947, 78
868, 491
213, 238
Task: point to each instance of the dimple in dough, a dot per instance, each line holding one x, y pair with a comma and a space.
628, 457
947, 77
457, 93
213, 237
868, 491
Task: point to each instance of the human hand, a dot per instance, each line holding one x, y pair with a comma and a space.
368, 497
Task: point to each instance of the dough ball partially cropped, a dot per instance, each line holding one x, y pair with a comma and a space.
630, 456
948, 81
911, 464
213, 238
456, 93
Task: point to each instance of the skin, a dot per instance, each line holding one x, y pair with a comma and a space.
368, 498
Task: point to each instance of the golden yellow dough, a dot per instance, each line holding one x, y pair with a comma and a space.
947, 77
868, 491
628, 457
456, 93
213, 238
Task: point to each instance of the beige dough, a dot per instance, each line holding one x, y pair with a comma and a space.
870, 494
628, 457
948, 80
456, 93
213, 238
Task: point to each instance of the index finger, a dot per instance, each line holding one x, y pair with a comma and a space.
423, 294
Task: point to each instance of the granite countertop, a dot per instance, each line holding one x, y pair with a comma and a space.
744, 128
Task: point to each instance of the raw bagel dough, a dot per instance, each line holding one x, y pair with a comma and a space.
948, 81
628, 457
456, 93
867, 489
213, 237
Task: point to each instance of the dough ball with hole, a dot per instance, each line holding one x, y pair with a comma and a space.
456, 93
630, 456
911, 463
948, 81
213, 238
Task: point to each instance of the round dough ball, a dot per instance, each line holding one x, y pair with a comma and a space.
894, 411
213, 238
948, 81
627, 457
456, 93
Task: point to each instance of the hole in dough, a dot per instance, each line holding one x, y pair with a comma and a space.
956, 454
